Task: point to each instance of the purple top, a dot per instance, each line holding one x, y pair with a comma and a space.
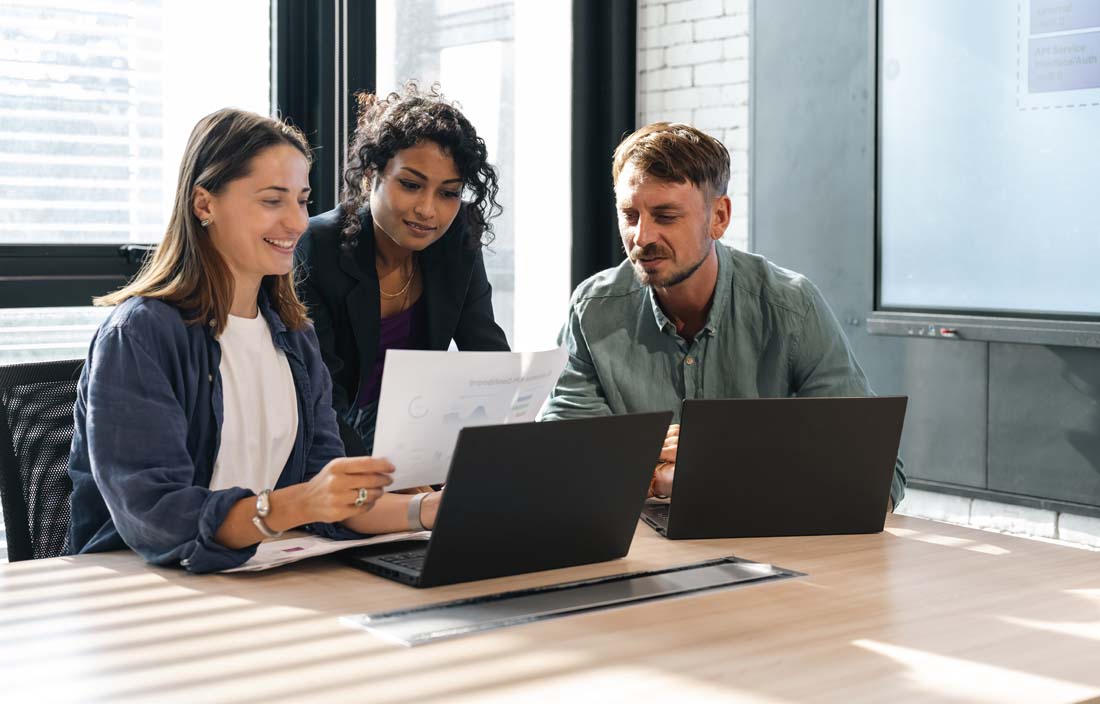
405, 331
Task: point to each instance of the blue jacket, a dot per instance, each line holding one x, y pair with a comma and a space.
148, 420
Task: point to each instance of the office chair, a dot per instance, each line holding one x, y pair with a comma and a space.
36, 430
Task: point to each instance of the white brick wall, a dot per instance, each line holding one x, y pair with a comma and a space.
1079, 529
693, 66
1003, 518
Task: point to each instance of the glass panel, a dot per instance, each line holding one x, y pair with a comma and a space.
97, 99
43, 334
470, 47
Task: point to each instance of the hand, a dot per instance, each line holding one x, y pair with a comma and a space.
661, 485
666, 467
331, 495
429, 508
672, 442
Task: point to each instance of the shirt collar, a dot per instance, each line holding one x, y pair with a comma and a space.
722, 289
278, 327
663, 323
719, 305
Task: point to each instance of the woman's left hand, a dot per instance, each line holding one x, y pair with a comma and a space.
429, 507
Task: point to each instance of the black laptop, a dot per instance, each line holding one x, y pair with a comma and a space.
784, 466
526, 497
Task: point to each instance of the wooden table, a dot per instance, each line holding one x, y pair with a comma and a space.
921, 612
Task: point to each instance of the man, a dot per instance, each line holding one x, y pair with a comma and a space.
685, 317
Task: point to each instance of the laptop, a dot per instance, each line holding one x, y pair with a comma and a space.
526, 497
784, 466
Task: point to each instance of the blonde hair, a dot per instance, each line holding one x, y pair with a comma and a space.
186, 269
676, 152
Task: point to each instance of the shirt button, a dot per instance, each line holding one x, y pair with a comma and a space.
689, 361
210, 377
212, 322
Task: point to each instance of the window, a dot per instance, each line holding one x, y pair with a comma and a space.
97, 99
507, 64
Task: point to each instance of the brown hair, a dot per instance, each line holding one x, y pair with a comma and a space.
676, 152
186, 269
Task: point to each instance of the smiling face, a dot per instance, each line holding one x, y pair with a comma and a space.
256, 220
668, 229
415, 199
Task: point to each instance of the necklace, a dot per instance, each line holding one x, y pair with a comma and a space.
404, 289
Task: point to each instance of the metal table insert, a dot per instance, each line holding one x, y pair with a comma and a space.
425, 624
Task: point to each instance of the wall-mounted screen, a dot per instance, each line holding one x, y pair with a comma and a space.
989, 157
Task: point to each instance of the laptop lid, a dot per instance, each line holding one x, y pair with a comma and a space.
537, 496
785, 466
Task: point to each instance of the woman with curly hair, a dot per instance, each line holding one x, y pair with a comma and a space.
398, 264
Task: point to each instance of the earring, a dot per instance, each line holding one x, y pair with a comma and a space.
205, 222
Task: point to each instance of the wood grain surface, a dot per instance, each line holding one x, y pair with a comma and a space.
921, 612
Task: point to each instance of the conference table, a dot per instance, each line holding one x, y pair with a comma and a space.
921, 612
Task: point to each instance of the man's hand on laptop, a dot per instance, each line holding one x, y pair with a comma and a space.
661, 485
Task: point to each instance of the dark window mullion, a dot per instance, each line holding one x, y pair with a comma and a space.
324, 52
604, 79
55, 275
304, 39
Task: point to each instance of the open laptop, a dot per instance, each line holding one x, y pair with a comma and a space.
784, 466
526, 497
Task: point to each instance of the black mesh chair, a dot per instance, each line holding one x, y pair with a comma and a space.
36, 430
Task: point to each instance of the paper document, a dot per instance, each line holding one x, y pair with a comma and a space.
427, 397
273, 553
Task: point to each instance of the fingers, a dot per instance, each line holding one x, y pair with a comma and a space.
351, 473
661, 485
353, 482
671, 444
360, 465
415, 490
369, 497
347, 486
668, 451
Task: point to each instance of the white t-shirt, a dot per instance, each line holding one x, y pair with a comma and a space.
260, 419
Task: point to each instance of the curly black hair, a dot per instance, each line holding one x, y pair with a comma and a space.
401, 120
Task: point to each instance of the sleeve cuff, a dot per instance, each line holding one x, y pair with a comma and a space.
209, 555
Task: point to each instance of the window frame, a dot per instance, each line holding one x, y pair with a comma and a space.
308, 88
314, 90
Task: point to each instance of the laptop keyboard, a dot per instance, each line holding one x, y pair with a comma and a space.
658, 510
413, 560
657, 513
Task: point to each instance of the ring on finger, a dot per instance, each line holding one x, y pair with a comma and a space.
362, 498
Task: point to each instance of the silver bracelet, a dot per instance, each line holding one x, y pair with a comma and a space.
414, 511
264, 528
263, 508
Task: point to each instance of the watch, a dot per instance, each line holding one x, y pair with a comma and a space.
414, 511
263, 508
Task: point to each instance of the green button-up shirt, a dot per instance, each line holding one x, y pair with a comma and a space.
769, 334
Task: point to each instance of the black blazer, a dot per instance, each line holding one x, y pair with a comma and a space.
339, 285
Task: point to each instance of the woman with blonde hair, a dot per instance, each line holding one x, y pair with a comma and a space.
203, 421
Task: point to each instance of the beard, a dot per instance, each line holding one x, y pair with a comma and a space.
667, 279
